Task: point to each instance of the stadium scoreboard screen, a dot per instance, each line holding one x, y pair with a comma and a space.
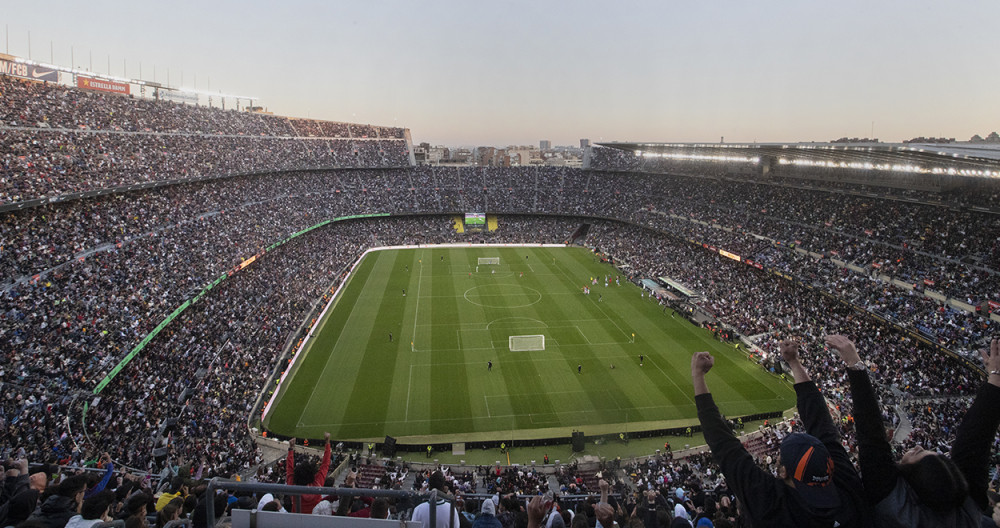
475, 219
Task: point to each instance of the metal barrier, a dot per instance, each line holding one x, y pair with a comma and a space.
218, 484
432, 497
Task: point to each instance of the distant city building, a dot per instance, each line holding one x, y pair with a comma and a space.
584, 143
461, 155
544, 144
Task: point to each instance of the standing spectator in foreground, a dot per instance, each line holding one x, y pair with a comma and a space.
925, 488
445, 511
305, 474
23, 503
817, 487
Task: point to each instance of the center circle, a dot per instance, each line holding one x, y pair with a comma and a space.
493, 295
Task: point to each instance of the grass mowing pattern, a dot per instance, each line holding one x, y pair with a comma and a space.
358, 385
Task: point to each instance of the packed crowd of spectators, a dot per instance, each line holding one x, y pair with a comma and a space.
46, 105
58, 141
84, 281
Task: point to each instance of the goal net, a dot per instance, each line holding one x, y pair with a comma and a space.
524, 343
488, 260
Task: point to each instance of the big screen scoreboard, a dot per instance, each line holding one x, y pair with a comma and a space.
475, 219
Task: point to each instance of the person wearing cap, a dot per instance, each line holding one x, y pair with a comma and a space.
816, 484
925, 488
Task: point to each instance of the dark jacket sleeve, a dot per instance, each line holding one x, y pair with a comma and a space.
753, 485
971, 451
878, 470
816, 417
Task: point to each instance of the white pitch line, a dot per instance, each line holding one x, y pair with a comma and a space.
409, 384
671, 380
487, 400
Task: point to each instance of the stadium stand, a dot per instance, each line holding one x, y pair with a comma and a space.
85, 280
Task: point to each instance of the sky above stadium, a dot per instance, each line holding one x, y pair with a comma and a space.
516, 72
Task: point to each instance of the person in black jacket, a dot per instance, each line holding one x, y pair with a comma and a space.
925, 489
817, 485
58, 508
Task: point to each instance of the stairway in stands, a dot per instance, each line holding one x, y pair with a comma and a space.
579, 235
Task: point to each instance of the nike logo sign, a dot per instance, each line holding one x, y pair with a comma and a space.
35, 74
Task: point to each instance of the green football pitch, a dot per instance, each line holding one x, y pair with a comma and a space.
404, 351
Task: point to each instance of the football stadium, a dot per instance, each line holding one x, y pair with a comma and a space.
216, 313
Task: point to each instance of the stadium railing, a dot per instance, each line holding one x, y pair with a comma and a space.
432, 497
297, 491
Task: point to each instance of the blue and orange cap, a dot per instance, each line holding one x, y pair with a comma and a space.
810, 467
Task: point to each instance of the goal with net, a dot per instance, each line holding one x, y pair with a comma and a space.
488, 260
525, 343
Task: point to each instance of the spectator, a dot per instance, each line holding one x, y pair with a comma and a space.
925, 488
170, 512
135, 509
60, 507
306, 474
96, 509
487, 516
817, 483
178, 489
446, 514
23, 504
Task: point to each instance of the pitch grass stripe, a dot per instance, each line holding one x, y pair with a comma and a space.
596, 398
524, 378
603, 399
379, 362
449, 389
478, 380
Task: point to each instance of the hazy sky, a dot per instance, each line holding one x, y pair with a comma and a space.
515, 72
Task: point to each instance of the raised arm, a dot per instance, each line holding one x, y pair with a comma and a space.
752, 485
324, 466
109, 470
789, 350
812, 407
878, 469
290, 463
975, 435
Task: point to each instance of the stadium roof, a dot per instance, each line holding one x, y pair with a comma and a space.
968, 159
